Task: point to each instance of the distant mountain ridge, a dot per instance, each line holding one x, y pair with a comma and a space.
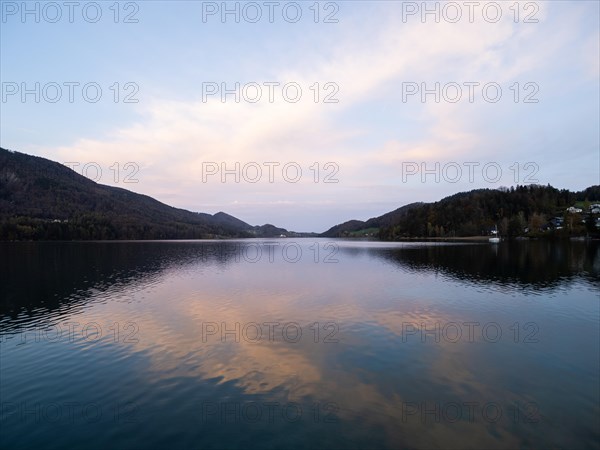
374, 222
43, 199
266, 230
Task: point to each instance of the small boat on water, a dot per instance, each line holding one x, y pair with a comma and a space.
494, 239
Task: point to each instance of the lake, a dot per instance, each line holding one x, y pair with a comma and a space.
299, 343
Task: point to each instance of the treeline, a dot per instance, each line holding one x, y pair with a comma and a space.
522, 211
102, 227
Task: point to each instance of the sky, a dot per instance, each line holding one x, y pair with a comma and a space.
305, 114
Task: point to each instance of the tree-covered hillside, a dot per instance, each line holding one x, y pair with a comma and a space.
44, 200
522, 211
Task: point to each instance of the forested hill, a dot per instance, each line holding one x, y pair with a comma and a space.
44, 200
531, 210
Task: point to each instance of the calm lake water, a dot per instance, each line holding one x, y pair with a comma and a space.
299, 344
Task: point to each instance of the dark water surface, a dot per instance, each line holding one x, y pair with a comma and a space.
299, 344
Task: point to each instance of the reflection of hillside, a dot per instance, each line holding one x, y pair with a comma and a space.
37, 278
41, 277
539, 264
